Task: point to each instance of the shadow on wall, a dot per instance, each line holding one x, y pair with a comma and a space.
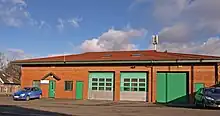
11, 110
184, 101
177, 101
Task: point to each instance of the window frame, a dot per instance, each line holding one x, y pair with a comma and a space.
33, 85
131, 87
68, 87
101, 84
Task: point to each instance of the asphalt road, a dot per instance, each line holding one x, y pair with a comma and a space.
62, 107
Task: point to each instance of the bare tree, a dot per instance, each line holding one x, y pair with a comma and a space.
13, 70
9, 68
3, 61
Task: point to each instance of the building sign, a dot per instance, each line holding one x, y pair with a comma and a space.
44, 81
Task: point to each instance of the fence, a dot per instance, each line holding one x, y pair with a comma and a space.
8, 89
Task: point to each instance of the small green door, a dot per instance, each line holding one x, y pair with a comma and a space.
79, 90
52, 86
197, 86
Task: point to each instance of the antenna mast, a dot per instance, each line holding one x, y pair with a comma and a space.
155, 41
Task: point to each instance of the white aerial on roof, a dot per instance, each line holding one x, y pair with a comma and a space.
155, 41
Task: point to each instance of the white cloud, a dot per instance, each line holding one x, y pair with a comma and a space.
75, 21
209, 47
188, 24
113, 40
14, 13
137, 2
52, 55
72, 21
13, 54
44, 24
60, 26
189, 19
180, 32
167, 10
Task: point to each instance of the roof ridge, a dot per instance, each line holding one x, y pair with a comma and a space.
124, 51
121, 55
189, 54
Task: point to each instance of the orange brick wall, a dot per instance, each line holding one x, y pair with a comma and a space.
203, 74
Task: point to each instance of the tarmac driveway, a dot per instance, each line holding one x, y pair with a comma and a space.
63, 107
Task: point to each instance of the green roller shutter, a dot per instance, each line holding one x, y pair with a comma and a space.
101, 85
133, 81
101, 81
176, 88
133, 86
161, 88
171, 88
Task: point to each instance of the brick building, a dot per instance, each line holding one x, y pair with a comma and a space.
149, 75
8, 84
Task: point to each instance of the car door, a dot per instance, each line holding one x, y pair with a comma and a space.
31, 93
38, 92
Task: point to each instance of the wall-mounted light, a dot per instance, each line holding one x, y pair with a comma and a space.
179, 66
132, 67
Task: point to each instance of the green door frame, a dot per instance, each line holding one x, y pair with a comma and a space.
79, 90
52, 88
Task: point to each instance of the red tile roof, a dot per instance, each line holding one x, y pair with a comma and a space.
122, 56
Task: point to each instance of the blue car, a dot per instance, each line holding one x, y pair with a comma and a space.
28, 93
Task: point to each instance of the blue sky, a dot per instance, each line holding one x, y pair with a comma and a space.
44, 27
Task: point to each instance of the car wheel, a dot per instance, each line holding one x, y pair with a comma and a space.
196, 104
27, 98
40, 96
203, 105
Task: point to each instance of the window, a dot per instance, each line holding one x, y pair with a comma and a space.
36, 83
68, 85
133, 84
36, 89
102, 84
107, 55
136, 54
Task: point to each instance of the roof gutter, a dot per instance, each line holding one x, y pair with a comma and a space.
119, 62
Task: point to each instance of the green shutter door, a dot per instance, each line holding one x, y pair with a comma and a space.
161, 88
176, 88
101, 86
171, 88
133, 86
79, 90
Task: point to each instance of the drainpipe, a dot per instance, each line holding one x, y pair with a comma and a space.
216, 73
192, 83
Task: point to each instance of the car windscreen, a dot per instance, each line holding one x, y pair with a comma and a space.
213, 91
26, 89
